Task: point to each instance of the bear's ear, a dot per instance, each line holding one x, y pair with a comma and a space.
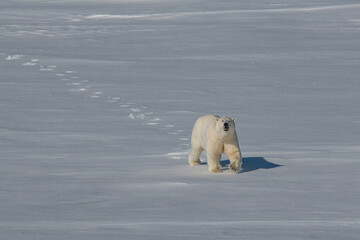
234, 120
217, 119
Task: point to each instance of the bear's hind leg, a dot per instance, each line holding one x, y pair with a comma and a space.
194, 155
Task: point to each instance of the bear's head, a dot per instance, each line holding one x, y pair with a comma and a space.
225, 126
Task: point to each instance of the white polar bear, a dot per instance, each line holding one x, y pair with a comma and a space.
215, 135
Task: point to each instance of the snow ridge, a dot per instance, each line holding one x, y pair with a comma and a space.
204, 13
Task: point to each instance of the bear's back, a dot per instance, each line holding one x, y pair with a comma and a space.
204, 122
201, 127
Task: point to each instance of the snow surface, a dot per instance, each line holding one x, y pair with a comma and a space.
98, 99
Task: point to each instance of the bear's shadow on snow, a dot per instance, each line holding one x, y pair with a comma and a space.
252, 164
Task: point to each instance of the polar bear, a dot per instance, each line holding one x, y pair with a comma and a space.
215, 135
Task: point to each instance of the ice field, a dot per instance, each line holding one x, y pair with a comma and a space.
98, 100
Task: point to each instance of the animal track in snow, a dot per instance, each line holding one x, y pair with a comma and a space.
78, 90
113, 99
14, 57
136, 116
29, 64
47, 68
32, 62
76, 85
96, 95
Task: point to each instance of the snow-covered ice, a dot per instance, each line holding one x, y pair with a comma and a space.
98, 99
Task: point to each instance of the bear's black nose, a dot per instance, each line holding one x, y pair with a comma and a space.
226, 124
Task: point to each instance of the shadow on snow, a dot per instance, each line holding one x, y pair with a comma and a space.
252, 164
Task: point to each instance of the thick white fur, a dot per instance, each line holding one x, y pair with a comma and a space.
209, 134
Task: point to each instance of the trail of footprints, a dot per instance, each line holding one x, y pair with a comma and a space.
77, 85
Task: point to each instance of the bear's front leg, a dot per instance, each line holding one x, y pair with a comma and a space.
235, 161
213, 161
